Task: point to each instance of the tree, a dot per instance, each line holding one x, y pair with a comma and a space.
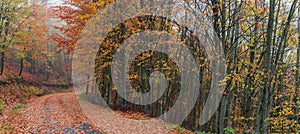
30, 41
297, 94
13, 14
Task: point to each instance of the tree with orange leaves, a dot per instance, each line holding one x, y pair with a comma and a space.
75, 14
30, 43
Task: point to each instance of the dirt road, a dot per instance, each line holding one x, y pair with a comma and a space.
57, 113
61, 113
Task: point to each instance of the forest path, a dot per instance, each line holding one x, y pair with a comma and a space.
61, 113
56, 113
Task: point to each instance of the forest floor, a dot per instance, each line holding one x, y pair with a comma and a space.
61, 113
31, 104
56, 113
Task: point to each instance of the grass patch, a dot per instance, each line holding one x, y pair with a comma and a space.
199, 132
143, 121
17, 107
1, 107
7, 128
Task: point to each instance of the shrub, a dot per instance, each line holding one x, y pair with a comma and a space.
35, 91
229, 130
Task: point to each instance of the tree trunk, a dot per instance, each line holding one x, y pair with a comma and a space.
3, 48
297, 94
87, 85
21, 67
2, 54
263, 113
